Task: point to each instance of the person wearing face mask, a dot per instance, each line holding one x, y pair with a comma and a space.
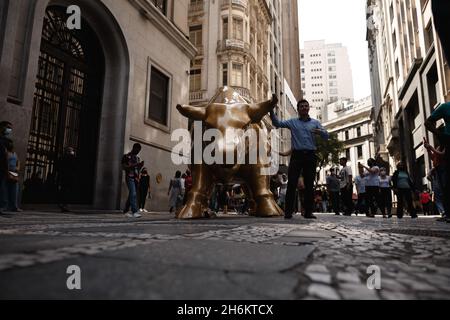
403, 187
5, 133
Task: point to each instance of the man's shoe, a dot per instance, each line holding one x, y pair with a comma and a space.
288, 216
137, 215
310, 216
413, 217
129, 215
399, 217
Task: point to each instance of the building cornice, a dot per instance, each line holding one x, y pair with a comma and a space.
167, 27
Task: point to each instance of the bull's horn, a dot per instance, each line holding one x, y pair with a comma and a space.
259, 110
195, 113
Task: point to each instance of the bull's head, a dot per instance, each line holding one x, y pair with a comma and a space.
232, 113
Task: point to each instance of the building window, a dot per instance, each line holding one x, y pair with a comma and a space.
333, 91
360, 152
225, 29
333, 84
429, 37
332, 61
195, 35
332, 68
238, 31
195, 80
161, 5
225, 74
332, 76
159, 91
303, 70
347, 154
347, 135
358, 132
331, 54
236, 74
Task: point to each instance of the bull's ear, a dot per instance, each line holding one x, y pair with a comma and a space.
259, 110
195, 113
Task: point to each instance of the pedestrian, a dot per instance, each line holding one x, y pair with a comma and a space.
379, 161
187, 185
304, 131
144, 189
360, 184
283, 190
66, 177
324, 200
346, 186
437, 175
224, 197
132, 164
12, 183
443, 112
385, 192
213, 202
433, 177
175, 192
425, 201
403, 187
373, 188
5, 133
333, 186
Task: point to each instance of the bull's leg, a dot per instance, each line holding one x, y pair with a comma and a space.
259, 185
197, 199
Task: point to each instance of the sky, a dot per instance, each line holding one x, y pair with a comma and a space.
339, 21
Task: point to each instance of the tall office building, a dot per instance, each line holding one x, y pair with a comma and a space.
326, 75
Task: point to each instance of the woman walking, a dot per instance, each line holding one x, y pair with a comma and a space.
144, 189
403, 187
385, 192
373, 188
175, 192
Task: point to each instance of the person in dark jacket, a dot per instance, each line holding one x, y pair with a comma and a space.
403, 188
5, 132
67, 173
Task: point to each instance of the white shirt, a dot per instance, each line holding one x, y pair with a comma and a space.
373, 179
360, 183
344, 176
385, 183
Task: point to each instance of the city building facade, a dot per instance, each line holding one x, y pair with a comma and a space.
409, 79
99, 88
326, 75
351, 122
240, 45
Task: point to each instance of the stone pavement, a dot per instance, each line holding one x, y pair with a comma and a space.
229, 257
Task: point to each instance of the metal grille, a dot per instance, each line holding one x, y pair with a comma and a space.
64, 105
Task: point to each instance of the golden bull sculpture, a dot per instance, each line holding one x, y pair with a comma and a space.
230, 110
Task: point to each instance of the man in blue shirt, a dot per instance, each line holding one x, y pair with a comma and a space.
303, 159
443, 112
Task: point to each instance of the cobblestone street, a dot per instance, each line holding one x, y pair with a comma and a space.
229, 257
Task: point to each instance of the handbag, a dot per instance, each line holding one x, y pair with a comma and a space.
13, 176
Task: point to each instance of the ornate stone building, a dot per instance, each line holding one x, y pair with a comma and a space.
99, 89
409, 79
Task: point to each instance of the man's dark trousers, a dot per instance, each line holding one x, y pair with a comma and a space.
301, 162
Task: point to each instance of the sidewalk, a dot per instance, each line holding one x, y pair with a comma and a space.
229, 257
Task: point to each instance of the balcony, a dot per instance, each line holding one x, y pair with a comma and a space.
233, 44
196, 8
200, 50
244, 92
197, 96
240, 4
